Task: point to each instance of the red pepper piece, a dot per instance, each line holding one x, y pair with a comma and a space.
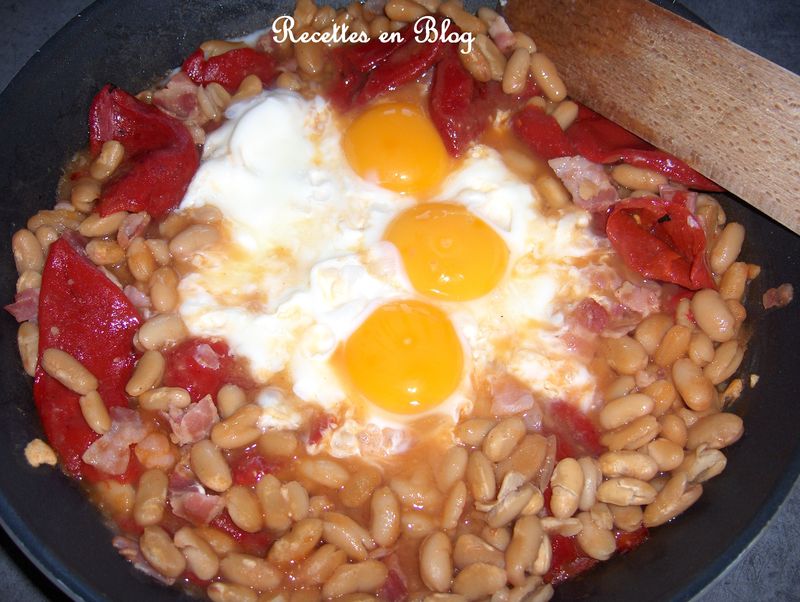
599, 139
319, 423
394, 588
576, 434
156, 184
116, 115
630, 541
346, 85
127, 526
670, 299
202, 366
365, 57
248, 468
195, 580
491, 93
83, 313
669, 165
451, 104
547, 495
405, 64
353, 62
568, 560
160, 155
661, 240
230, 68
603, 141
541, 133
256, 544
461, 107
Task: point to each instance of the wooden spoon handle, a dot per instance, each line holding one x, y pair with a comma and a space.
730, 114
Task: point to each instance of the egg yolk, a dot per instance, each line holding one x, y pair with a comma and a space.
405, 357
396, 146
448, 252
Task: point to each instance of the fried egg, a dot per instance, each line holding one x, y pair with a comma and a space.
365, 272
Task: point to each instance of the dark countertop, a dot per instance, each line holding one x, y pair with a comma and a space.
770, 568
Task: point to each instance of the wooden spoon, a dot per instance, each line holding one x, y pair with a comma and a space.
730, 114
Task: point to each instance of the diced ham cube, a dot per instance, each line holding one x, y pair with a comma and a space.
194, 423
587, 182
111, 452
25, 306
780, 296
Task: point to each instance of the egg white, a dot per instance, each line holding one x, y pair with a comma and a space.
304, 264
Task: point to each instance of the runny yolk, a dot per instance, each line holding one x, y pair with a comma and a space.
447, 251
405, 357
396, 146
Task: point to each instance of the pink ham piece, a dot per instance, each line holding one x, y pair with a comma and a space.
584, 323
509, 395
189, 500
587, 182
139, 299
622, 320
395, 587
25, 306
129, 549
132, 226
179, 98
194, 423
644, 299
76, 241
111, 452
534, 419
502, 35
780, 296
206, 357
590, 315
197, 507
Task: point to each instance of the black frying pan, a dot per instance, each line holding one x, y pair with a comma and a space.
42, 120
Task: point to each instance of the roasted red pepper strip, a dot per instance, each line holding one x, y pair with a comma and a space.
116, 115
318, 424
230, 68
450, 104
575, 433
346, 84
460, 107
160, 155
568, 560
598, 139
661, 240
156, 184
256, 543
83, 313
603, 141
406, 63
541, 133
202, 366
248, 468
353, 62
394, 589
669, 165
491, 94
627, 541
365, 57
